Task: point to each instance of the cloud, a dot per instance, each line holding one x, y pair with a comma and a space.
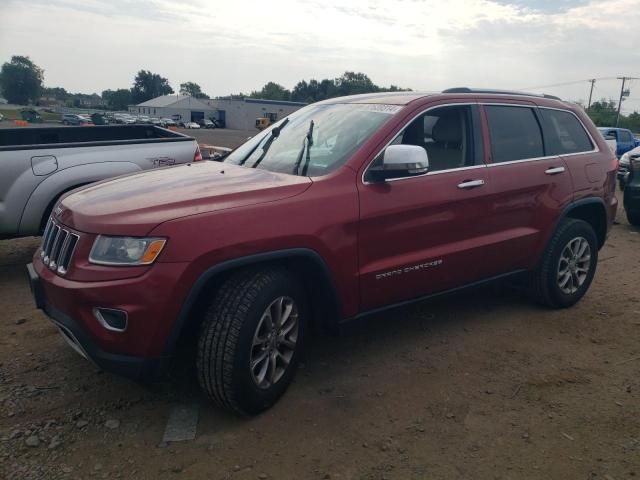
91, 45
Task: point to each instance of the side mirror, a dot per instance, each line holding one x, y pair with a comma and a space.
400, 161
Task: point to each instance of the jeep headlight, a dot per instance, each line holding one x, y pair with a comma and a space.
125, 250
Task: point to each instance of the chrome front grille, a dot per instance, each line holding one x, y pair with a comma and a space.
58, 245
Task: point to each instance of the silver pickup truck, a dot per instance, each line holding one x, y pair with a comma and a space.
38, 165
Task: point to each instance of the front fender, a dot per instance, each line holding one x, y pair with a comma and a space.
50, 189
205, 277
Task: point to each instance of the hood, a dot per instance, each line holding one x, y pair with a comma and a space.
135, 204
624, 159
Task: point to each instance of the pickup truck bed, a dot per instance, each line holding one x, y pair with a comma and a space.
38, 165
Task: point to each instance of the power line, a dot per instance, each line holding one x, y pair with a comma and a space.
575, 82
622, 94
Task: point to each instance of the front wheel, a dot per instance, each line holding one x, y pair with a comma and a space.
251, 340
568, 265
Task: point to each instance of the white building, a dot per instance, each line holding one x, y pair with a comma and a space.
179, 107
236, 114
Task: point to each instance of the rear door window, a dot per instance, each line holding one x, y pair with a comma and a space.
564, 134
514, 132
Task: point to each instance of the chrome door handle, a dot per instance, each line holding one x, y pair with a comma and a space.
471, 184
554, 170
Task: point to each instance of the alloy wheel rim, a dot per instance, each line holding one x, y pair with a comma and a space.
274, 342
574, 265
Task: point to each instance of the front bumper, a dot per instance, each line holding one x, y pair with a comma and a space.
139, 352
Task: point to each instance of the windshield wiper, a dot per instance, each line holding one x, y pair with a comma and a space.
274, 134
306, 145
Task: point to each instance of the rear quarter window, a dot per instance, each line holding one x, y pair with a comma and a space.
564, 134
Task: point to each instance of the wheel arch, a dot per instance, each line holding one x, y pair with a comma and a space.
305, 263
51, 204
592, 211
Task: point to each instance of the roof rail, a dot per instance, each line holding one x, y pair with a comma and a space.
498, 92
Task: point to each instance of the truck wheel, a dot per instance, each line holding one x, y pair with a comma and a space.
251, 340
568, 265
634, 217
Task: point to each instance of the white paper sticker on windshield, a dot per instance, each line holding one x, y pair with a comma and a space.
376, 107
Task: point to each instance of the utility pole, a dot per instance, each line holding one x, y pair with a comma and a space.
622, 95
592, 82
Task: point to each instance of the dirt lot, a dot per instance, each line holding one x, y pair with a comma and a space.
482, 386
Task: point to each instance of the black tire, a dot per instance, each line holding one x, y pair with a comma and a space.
622, 185
545, 286
227, 334
634, 217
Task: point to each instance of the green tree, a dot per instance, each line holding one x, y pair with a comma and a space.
272, 91
55, 92
632, 122
603, 112
192, 89
352, 83
21, 80
148, 85
117, 99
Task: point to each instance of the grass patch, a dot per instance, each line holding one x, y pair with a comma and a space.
10, 114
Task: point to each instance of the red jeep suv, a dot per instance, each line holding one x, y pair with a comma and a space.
345, 207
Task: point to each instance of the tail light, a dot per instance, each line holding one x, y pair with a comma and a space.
197, 156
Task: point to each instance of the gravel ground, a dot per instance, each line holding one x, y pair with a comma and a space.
484, 385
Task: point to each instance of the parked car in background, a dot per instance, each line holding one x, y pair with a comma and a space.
191, 125
206, 123
167, 122
99, 119
155, 121
625, 140
41, 164
344, 208
623, 167
1, 117
73, 119
631, 197
30, 115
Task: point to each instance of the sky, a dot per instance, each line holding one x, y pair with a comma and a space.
237, 46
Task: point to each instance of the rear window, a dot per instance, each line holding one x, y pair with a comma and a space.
514, 133
564, 134
625, 136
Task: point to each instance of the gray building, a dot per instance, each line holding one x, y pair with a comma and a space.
178, 107
236, 114
242, 114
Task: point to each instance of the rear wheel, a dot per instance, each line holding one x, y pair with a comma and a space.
568, 265
251, 340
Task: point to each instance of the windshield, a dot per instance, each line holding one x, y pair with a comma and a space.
338, 130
